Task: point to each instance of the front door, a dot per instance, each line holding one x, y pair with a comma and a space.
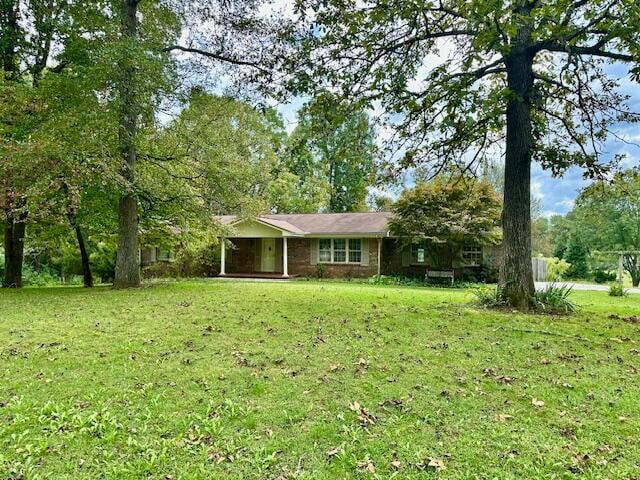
268, 254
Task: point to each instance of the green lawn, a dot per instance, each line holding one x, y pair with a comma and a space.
313, 380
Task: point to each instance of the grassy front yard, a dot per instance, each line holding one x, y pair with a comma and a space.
313, 380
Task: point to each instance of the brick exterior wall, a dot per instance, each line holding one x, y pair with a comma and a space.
300, 261
243, 260
243, 256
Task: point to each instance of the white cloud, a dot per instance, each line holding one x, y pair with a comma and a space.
536, 189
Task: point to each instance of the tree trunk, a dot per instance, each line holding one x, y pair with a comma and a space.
86, 266
73, 221
87, 276
14, 228
127, 261
516, 272
631, 265
9, 37
14, 234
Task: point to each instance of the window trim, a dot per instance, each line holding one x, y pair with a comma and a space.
346, 251
419, 245
475, 251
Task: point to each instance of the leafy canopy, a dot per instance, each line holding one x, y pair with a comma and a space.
448, 212
334, 142
438, 69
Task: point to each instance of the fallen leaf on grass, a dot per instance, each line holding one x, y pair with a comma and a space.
364, 416
395, 463
333, 452
537, 403
435, 463
366, 466
503, 417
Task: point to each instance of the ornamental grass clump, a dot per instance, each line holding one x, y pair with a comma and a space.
554, 299
617, 290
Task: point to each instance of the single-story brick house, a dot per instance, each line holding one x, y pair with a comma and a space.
332, 245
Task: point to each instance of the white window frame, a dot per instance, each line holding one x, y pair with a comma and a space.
346, 251
324, 249
418, 246
359, 250
472, 255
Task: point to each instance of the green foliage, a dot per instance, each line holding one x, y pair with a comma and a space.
485, 273
554, 298
447, 214
557, 269
399, 280
46, 277
334, 144
288, 193
617, 290
577, 256
608, 215
417, 281
541, 237
489, 297
321, 269
103, 260
454, 110
603, 276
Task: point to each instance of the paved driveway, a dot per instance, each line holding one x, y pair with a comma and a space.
583, 286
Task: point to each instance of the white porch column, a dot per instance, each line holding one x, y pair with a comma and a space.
379, 254
223, 255
285, 259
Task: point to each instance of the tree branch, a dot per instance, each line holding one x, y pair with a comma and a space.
593, 50
215, 56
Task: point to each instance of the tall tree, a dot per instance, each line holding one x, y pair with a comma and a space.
461, 79
334, 142
13, 204
127, 261
607, 217
230, 36
28, 31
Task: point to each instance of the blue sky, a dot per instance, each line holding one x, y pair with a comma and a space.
557, 194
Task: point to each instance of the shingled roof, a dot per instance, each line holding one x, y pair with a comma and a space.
370, 223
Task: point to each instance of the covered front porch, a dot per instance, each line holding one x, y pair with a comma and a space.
265, 257
256, 248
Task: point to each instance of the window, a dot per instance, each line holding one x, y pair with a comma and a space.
472, 254
163, 255
340, 250
418, 253
355, 250
324, 254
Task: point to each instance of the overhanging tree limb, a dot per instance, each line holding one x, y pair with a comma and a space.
216, 56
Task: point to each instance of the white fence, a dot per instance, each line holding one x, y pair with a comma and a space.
539, 269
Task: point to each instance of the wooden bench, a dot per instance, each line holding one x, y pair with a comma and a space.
439, 274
